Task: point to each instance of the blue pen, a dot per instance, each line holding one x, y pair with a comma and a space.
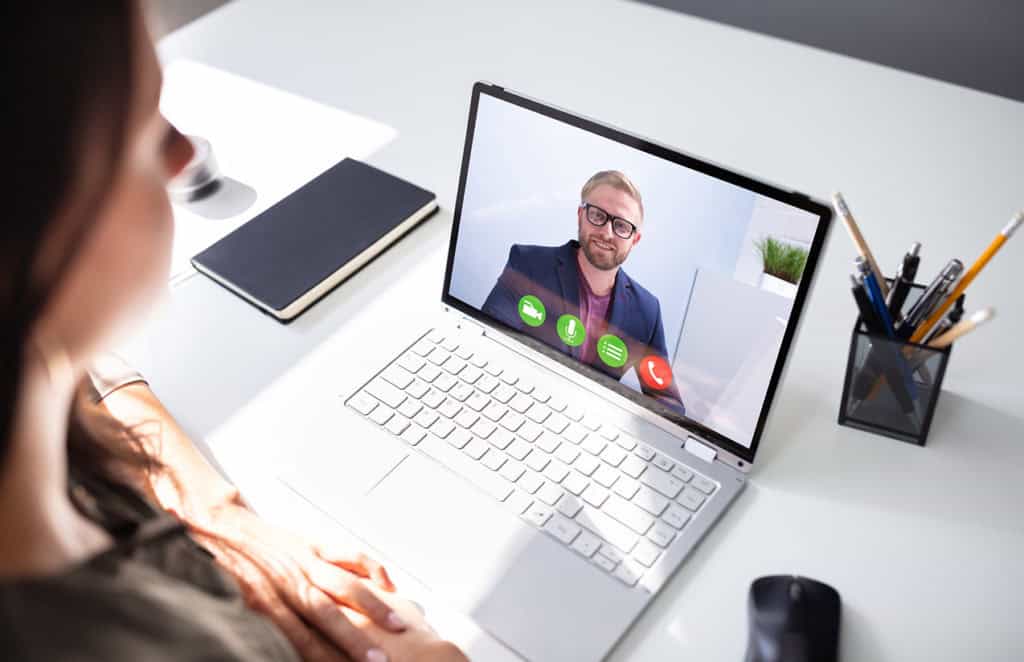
878, 301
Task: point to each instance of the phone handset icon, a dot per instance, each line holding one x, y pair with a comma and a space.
650, 370
655, 372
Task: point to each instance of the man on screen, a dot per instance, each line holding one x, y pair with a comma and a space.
620, 320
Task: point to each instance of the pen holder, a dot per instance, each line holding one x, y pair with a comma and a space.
892, 386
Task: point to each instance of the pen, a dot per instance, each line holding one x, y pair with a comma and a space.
931, 297
858, 240
962, 328
978, 265
875, 296
867, 312
902, 281
949, 320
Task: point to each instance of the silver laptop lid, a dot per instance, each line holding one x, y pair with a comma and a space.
669, 280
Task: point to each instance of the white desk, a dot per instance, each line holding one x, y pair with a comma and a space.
924, 544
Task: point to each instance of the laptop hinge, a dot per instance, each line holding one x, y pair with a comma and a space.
701, 450
469, 325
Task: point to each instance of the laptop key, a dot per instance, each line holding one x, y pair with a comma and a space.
540, 395
413, 434
487, 480
423, 347
449, 408
557, 423
478, 360
595, 495
494, 411
500, 439
466, 418
575, 483
575, 433
662, 534
646, 554
442, 427
475, 448
645, 452
417, 389
525, 386
548, 442
450, 344
564, 530
511, 470
426, 418
676, 516
569, 506
538, 513
593, 444
530, 431
633, 466
603, 562
682, 473
619, 535
612, 553
556, 471
556, 403
608, 432
459, 438
503, 393
463, 352
590, 422
461, 392
530, 481
628, 514
586, 544
567, 453
627, 573
665, 483
478, 401
626, 442
538, 413
429, 372
435, 336
703, 484
487, 383
438, 356
381, 415
484, 429
494, 460
549, 494
626, 488
520, 403
605, 476
586, 464
492, 368
690, 498
613, 455
663, 462
519, 448
445, 382
650, 501
433, 398
511, 421
411, 362
508, 378
574, 412
470, 375
385, 392
362, 403
397, 375
537, 460
397, 425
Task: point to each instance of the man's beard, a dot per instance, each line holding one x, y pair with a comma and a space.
601, 259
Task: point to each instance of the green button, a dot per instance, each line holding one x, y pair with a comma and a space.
531, 310
570, 330
612, 350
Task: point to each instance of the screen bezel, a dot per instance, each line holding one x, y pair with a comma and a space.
793, 198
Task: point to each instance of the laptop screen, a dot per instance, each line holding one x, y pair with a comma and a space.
666, 279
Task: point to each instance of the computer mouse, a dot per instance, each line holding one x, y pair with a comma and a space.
792, 619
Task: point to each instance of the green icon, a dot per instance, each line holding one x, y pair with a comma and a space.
532, 310
570, 330
612, 350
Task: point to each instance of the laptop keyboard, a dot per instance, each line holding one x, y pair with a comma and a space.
610, 498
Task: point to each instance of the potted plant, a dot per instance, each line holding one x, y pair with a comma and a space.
782, 264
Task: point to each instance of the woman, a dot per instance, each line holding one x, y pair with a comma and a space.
89, 569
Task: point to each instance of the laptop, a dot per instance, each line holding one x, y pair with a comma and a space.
617, 318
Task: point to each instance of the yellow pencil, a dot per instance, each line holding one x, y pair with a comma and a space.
858, 241
978, 265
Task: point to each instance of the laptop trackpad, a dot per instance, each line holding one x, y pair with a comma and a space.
517, 583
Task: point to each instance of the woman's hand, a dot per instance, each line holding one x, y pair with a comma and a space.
305, 589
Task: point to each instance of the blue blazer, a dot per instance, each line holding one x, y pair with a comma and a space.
550, 273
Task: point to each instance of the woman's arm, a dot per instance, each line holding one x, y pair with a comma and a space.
309, 591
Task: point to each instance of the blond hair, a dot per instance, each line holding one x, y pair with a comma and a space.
616, 180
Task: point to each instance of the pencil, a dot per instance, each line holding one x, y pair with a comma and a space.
962, 328
858, 240
978, 265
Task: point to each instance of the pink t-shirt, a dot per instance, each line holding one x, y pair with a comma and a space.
594, 315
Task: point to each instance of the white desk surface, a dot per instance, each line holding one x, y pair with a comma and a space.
924, 544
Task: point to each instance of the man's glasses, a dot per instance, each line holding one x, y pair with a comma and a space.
598, 217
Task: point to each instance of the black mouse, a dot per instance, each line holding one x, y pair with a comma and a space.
792, 619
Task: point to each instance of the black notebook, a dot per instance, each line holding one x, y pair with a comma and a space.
293, 253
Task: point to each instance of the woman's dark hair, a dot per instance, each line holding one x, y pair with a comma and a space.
69, 91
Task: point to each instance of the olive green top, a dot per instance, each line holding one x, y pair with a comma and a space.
155, 595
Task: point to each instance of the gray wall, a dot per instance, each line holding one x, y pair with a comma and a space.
975, 43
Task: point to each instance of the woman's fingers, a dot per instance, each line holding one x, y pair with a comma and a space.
347, 589
357, 563
321, 611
